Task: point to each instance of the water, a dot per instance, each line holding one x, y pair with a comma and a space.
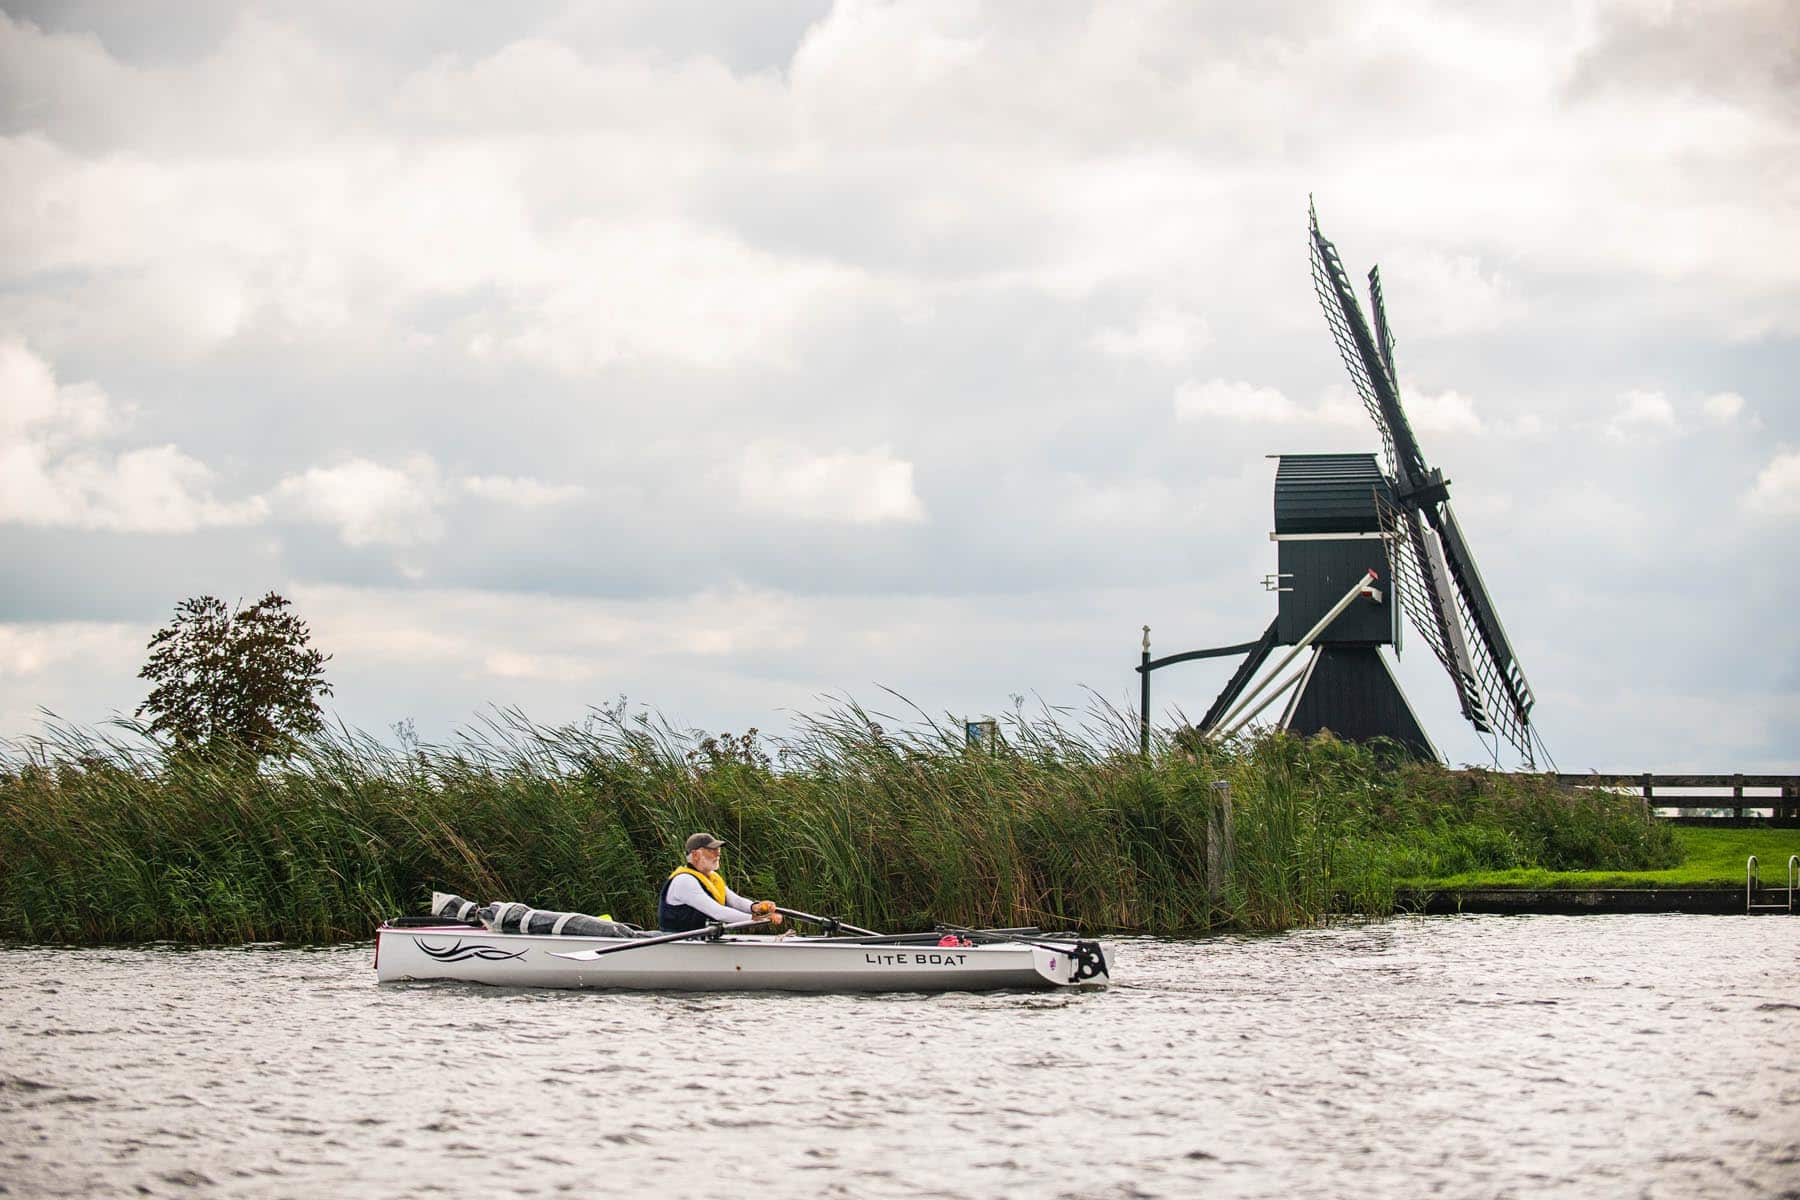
1473, 1056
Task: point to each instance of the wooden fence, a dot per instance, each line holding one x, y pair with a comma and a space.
1702, 798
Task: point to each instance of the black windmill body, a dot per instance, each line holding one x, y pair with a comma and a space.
1328, 538
1340, 515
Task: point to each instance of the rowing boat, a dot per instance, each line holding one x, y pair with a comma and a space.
729, 962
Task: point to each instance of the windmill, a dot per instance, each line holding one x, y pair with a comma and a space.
1434, 576
1341, 521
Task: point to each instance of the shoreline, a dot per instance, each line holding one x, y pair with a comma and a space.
1580, 901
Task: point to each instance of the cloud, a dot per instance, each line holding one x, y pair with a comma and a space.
1741, 49
548, 638
561, 668
913, 250
862, 488
520, 492
369, 503
1641, 413
1228, 400
1448, 412
599, 294
1449, 294
1120, 503
1723, 408
32, 649
51, 475
543, 197
1167, 336
1776, 492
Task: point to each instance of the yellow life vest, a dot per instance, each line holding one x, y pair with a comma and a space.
712, 881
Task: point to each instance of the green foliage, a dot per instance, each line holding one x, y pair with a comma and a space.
1449, 823
1708, 858
246, 679
118, 839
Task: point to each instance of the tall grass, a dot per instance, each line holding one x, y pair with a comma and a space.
105, 837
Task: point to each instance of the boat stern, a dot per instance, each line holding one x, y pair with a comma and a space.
1083, 964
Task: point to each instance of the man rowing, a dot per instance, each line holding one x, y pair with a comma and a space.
695, 895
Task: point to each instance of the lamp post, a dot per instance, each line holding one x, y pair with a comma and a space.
1144, 697
1258, 650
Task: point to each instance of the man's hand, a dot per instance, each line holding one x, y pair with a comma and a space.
766, 910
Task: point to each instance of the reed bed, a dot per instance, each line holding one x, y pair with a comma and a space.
108, 837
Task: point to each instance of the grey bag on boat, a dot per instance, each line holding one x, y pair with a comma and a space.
455, 908
511, 917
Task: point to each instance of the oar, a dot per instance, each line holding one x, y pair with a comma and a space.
931, 936
991, 936
829, 924
711, 929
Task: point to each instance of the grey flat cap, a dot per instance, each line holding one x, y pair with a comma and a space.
703, 841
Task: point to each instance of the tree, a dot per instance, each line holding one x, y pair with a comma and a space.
249, 677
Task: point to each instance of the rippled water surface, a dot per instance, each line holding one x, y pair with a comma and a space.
1455, 1056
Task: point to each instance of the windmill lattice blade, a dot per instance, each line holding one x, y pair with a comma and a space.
1482, 620
1429, 608
1443, 590
1445, 601
1384, 337
1343, 314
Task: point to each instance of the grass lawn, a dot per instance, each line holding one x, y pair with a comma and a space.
1710, 858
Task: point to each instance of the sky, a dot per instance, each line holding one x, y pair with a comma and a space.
736, 359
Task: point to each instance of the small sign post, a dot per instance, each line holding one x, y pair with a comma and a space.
982, 735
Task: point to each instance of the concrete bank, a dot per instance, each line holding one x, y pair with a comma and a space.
1576, 901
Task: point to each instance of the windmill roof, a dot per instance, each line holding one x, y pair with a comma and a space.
1329, 493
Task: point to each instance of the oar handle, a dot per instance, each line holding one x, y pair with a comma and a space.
828, 923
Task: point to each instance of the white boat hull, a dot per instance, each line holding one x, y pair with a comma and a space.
730, 963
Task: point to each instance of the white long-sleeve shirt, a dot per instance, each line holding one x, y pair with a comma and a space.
685, 889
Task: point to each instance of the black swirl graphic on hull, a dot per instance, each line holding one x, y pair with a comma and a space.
458, 952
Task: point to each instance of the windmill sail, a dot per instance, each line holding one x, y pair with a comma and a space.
1509, 692
1384, 339
1363, 359
1433, 571
1414, 556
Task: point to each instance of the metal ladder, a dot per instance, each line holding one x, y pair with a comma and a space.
1753, 887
